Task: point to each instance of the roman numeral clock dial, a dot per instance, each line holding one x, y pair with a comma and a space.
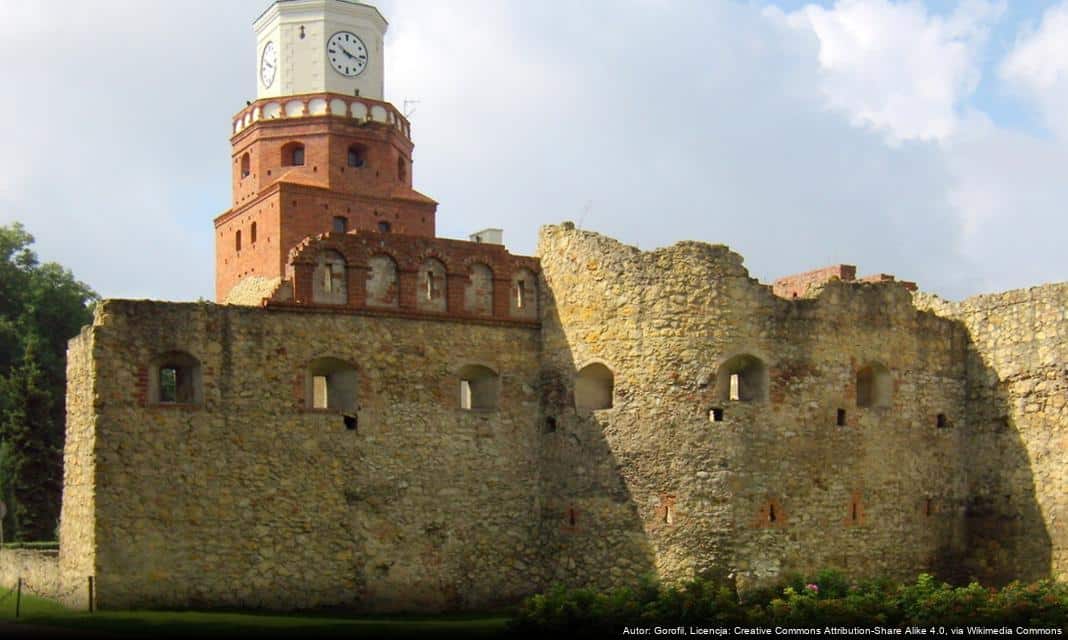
347, 53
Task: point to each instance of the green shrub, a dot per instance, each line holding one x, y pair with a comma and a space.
829, 598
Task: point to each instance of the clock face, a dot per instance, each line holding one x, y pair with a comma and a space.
347, 54
268, 64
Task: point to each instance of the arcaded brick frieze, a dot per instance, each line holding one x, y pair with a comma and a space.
795, 476
1017, 511
413, 275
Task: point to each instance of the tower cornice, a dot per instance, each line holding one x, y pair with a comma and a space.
358, 109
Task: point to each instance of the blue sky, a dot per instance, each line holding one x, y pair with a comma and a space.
924, 139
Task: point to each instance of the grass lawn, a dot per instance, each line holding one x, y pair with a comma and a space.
40, 612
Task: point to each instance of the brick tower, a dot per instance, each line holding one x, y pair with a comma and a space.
319, 150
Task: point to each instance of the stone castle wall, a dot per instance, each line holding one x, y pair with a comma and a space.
239, 494
246, 497
776, 485
1017, 511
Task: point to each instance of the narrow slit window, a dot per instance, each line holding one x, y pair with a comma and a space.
252, 234
841, 421
771, 513
571, 516
237, 240
429, 285
519, 286
735, 387
942, 421
928, 507
853, 513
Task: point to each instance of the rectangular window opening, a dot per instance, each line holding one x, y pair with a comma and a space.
168, 384
715, 414
237, 241
465, 394
941, 421
430, 285
319, 394
841, 418
854, 512
341, 224
928, 507
252, 234
735, 390
519, 286
771, 512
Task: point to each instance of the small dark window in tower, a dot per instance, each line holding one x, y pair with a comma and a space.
942, 421
293, 154
841, 418
771, 512
431, 286
550, 425
571, 516
384, 227
252, 234
237, 240
715, 414
357, 155
928, 507
245, 165
350, 422
341, 224
853, 514
402, 170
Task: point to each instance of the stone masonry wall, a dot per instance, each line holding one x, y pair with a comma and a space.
654, 485
77, 524
1017, 512
251, 499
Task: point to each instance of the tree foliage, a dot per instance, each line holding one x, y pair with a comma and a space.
42, 306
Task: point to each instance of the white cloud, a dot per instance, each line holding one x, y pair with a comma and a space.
1038, 67
699, 120
896, 68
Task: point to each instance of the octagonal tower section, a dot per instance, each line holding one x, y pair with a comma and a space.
310, 164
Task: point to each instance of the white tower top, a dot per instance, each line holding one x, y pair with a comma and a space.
314, 46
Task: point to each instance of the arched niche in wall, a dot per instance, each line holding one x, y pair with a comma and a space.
594, 386
478, 298
432, 293
174, 378
382, 282
292, 154
329, 281
331, 383
479, 387
523, 301
875, 386
743, 378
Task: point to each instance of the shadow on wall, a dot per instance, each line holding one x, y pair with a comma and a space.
1007, 536
591, 528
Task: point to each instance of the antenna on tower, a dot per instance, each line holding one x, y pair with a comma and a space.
408, 112
586, 209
